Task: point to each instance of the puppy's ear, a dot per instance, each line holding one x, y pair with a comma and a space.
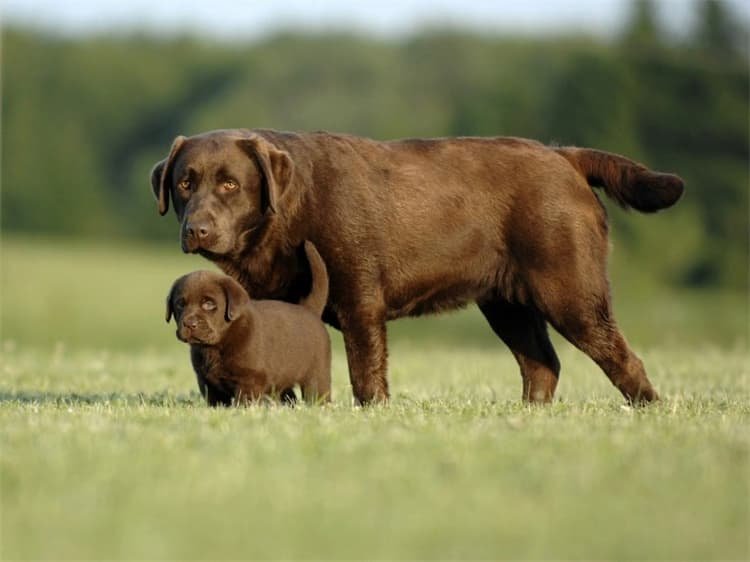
159, 174
275, 165
170, 305
234, 296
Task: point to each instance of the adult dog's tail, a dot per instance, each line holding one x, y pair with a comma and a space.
318, 297
625, 181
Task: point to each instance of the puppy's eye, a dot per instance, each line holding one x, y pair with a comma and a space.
229, 185
180, 304
208, 305
184, 185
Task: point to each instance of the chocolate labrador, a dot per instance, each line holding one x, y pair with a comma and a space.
244, 350
417, 226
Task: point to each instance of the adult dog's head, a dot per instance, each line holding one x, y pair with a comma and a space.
204, 305
224, 185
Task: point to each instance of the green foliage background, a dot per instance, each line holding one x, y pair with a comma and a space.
84, 118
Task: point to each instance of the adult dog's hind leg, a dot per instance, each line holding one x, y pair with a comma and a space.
574, 296
589, 325
524, 331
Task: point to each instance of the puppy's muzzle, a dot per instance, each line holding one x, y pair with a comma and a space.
193, 330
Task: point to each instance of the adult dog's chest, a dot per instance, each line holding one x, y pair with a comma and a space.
263, 277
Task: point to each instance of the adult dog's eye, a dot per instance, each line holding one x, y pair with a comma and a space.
229, 185
208, 305
184, 185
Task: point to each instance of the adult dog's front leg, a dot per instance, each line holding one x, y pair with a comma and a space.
367, 354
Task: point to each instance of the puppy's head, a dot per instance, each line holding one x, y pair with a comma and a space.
204, 305
223, 185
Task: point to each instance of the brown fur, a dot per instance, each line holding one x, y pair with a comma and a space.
243, 350
416, 226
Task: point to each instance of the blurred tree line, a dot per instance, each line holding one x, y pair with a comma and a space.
84, 119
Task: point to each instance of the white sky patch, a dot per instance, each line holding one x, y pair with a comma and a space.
234, 20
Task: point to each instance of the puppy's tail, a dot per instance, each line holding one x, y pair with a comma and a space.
318, 297
630, 184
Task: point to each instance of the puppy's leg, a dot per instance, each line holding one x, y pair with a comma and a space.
251, 390
288, 397
201, 384
366, 352
317, 386
524, 331
216, 397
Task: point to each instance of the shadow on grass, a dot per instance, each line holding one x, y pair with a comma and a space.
158, 399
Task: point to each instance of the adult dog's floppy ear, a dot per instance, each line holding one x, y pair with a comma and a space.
160, 172
234, 295
276, 165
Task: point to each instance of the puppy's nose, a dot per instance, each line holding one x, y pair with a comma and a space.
199, 230
190, 322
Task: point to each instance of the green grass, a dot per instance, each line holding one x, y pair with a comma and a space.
106, 450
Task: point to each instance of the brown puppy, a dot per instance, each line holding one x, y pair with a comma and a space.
416, 226
242, 350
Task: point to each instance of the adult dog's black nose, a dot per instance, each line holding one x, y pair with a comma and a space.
198, 230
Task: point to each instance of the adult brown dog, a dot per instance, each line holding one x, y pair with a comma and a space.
415, 226
243, 350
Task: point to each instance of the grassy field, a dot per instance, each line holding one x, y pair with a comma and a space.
107, 451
